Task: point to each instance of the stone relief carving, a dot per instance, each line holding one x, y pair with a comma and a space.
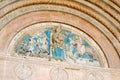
58, 73
23, 71
93, 75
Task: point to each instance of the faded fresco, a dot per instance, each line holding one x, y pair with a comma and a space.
57, 44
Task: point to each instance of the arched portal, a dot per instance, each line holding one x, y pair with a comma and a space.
59, 39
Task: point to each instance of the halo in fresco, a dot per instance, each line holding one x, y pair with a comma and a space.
57, 43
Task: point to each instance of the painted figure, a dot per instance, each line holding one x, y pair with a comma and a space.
30, 46
44, 43
57, 44
80, 47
